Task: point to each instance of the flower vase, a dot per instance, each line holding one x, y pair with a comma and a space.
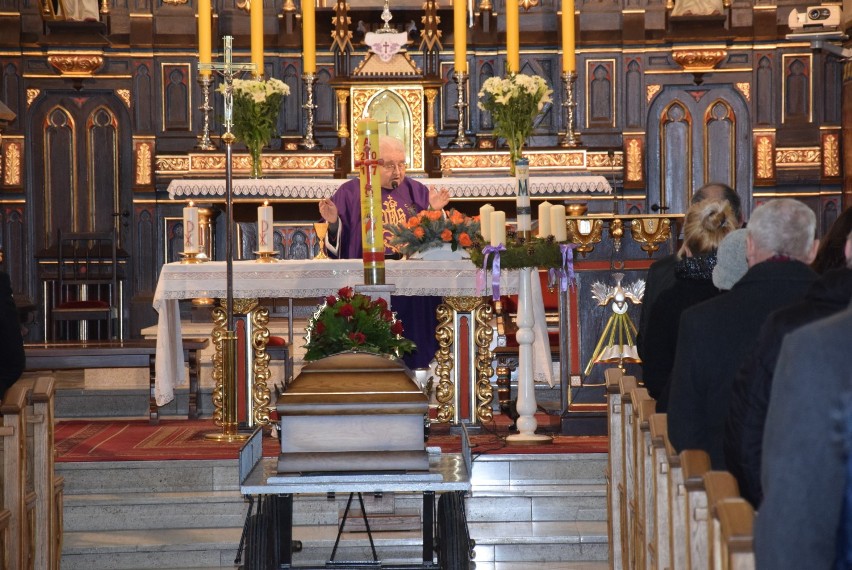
256, 166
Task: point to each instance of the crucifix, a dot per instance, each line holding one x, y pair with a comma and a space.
368, 159
388, 122
226, 346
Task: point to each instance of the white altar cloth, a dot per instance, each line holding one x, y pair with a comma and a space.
318, 188
309, 278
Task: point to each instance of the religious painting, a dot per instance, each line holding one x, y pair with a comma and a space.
797, 92
173, 244
175, 97
293, 240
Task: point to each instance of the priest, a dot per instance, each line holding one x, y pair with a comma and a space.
402, 197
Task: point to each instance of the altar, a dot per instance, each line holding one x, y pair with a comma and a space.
454, 280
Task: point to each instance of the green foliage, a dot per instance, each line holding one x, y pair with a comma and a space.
257, 104
352, 321
541, 253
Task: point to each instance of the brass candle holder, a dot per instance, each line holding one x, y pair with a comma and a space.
651, 232
571, 138
266, 257
192, 257
204, 142
586, 233
309, 142
321, 229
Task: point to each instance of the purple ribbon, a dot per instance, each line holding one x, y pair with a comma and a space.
566, 272
495, 267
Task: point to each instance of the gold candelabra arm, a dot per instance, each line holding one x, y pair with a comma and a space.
651, 232
586, 233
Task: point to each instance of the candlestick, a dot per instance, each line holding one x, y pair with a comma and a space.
257, 37
485, 221
544, 219
460, 34
569, 58
461, 140
265, 230
190, 228
571, 138
309, 142
205, 18
557, 223
522, 178
204, 142
513, 36
498, 227
309, 39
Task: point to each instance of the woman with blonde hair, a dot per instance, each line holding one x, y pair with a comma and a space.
705, 225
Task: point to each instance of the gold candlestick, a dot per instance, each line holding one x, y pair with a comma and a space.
321, 229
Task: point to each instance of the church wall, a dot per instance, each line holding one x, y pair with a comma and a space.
778, 110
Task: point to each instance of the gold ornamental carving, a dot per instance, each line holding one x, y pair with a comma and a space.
71, 65
431, 95
452, 161
745, 89
650, 233
260, 393
413, 99
483, 334
143, 164
765, 160
430, 35
634, 161
464, 304
445, 391
616, 232
243, 306
585, 233
699, 59
831, 155
124, 95
175, 2
603, 160
797, 157
174, 164
342, 114
32, 95
651, 91
220, 324
12, 164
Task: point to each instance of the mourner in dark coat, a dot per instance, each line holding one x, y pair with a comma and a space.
806, 450
752, 388
716, 335
12, 357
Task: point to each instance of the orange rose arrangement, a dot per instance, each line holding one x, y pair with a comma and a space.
433, 228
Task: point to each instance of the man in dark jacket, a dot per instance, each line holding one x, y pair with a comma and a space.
716, 335
12, 357
661, 274
829, 294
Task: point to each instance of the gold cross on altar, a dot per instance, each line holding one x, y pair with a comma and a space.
228, 69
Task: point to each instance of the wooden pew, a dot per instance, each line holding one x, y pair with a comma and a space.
679, 545
615, 464
660, 508
628, 482
5, 519
644, 407
695, 463
47, 486
719, 485
736, 522
73, 355
16, 498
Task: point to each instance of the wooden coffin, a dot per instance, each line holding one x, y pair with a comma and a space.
353, 412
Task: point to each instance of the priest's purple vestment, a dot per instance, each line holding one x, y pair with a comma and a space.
399, 204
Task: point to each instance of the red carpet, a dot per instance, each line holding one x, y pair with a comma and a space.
137, 440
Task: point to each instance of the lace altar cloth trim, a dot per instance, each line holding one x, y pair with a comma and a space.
316, 189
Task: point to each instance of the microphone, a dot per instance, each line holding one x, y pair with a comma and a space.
394, 184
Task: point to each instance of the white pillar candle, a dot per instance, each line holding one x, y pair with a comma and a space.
498, 227
544, 219
264, 228
190, 229
485, 221
557, 223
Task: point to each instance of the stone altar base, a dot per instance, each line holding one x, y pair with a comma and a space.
353, 412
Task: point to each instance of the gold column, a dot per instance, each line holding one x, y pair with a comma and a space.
431, 94
342, 114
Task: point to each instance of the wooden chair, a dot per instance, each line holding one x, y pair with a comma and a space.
86, 288
660, 512
615, 463
628, 482
736, 522
719, 485
695, 464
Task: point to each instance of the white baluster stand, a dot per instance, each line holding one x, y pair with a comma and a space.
527, 405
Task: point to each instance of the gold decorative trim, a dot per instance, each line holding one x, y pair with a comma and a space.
431, 95
603, 160
124, 95
76, 65
651, 232
483, 334
634, 161
32, 95
830, 155
651, 91
765, 158
490, 161
244, 306
342, 114
220, 323
412, 96
400, 64
745, 89
260, 394
175, 2
176, 165
585, 233
143, 163
445, 390
797, 157
12, 163
171, 164
699, 59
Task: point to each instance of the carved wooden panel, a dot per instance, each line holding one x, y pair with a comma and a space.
764, 157
13, 242
142, 99
831, 94
145, 259
600, 93
486, 71
720, 143
633, 95
797, 90
176, 97
324, 99
10, 93
764, 91
291, 123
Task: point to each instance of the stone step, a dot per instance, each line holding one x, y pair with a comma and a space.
495, 503
149, 476
88, 403
540, 541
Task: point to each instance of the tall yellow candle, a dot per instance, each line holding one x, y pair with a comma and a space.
513, 37
257, 36
569, 56
372, 229
460, 34
205, 18
309, 36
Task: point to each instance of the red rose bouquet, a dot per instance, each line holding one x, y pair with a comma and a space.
352, 321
